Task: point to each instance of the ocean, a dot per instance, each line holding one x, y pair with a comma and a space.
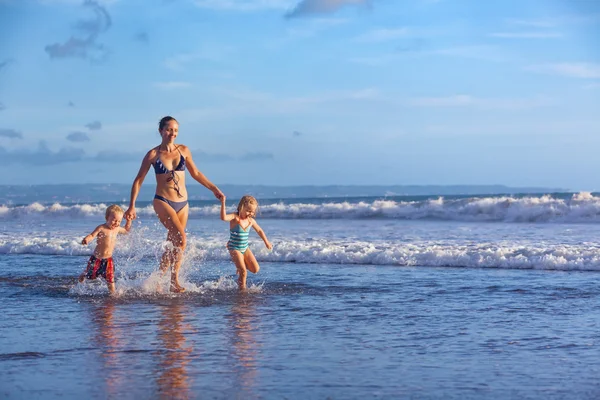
420, 297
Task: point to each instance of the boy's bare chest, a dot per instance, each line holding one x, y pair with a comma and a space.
106, 235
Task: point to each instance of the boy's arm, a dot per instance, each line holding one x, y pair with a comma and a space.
127, 228
91, 236
262, 234
224, 216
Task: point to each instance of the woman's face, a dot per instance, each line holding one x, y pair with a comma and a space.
169, 131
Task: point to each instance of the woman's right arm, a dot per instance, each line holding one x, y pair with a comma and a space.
137, 184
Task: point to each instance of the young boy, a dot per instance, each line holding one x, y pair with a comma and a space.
101, 262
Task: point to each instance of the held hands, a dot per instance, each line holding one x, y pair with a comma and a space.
218, 194
85, 240
223, 198
130, 214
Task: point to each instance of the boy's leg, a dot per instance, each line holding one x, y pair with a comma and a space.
109, 275
240, 265
89, 269
251, 263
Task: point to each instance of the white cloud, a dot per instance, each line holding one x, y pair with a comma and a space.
535, 23
85, 45
253, 96
448, 101
573, 70
526, 35
553, 22
178, 62
208, 52
595, 85
375, 61
241, 101
558, 126
314, 26
384, 34
314, 7
75, 2
172, 85
462, 100
245, 5
478, 52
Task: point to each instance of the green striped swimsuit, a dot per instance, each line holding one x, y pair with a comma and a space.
238, 238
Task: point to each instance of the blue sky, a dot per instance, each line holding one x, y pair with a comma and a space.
301, 92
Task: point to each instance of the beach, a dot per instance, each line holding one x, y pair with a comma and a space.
347, 305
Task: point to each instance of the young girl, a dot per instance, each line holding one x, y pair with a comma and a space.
239, 227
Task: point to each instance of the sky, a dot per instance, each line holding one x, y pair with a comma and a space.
304, 92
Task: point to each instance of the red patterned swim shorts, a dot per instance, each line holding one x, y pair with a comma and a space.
103, 267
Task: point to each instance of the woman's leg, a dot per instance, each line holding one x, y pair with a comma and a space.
251, 263
182, 215
172, 257
240, 266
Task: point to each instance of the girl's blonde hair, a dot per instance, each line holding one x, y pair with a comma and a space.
246, 201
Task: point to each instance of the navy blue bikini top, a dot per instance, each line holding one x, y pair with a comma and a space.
159, 167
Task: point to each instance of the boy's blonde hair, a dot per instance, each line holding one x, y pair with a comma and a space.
246, 201
113, 209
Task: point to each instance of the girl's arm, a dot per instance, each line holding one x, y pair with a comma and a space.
262, 234
91, 236
137, 183
199, 176
224, 216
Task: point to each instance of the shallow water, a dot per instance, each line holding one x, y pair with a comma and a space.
343, 307
306, 331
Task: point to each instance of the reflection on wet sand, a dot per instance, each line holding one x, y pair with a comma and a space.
245, 343
107, 338
173, 379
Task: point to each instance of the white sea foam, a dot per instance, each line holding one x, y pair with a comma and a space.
157, 284
509, 255
580, 207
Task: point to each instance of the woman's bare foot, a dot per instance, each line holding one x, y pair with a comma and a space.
177, 288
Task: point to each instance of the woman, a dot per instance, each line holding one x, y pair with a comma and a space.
170, 202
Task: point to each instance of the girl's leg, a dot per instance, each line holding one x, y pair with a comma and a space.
251, 263
176, 237
240, 265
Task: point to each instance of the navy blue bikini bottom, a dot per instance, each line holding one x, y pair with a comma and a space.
175, 205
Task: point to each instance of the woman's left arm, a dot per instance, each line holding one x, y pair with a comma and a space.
199, 176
